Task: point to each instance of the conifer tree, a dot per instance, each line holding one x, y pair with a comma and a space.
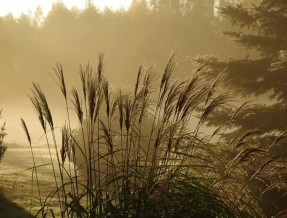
261, 28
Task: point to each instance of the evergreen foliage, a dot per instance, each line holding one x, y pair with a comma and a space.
261, 29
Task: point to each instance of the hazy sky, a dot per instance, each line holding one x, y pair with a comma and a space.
17, 7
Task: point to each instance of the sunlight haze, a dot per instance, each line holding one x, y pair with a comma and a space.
18, 7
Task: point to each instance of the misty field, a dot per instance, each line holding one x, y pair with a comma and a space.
15, 177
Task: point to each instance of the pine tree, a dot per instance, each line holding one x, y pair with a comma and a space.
261, 28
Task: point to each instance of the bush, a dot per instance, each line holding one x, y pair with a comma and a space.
146, 154
2, 135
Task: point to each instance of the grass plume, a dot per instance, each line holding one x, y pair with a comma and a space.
146, 154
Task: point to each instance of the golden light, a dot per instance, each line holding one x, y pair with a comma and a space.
17, 7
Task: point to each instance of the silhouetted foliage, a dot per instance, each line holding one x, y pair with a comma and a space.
145, 153
261, 27
2, 135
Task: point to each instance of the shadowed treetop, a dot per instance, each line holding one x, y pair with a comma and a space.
260, 27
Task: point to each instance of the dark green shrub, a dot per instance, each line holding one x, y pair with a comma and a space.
2, 135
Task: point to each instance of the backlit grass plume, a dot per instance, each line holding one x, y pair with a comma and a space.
147, 153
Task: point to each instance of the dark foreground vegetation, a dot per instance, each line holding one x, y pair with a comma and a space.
9, 209
146, 153
3, 147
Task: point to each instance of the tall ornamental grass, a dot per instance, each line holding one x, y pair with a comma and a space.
146, 153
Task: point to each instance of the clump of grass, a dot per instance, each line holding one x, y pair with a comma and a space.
145, 154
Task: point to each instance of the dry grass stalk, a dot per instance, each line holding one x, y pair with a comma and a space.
137, 145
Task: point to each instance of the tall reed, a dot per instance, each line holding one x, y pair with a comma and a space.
146, 153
